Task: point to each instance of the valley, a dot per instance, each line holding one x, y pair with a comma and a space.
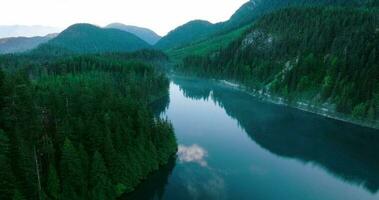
280, 101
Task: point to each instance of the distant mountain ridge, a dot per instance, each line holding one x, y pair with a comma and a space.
87, 38
26, 31
22, 44
145, 34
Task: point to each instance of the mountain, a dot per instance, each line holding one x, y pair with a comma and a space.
22, 44
26, 31
246, 14
326, 58
254, 9
201, 47
185, 34
145, 34
87, 38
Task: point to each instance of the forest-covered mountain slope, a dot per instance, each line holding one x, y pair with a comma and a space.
327, 57
87, 38
185, 34
247, 13
205, 46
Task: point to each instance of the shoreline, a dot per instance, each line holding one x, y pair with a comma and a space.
303, 106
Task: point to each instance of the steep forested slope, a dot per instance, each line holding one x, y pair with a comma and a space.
324, 56
185, 34
81, 128
254, 9
86, 38
206, 45
247, 13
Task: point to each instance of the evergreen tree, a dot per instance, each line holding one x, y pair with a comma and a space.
75, 107
100, 183
71, 172
7, 180
110, 158
18, 196
52, 185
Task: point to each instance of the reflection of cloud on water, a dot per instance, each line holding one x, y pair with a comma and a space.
215, 187
200, 181
193, 153
212, 186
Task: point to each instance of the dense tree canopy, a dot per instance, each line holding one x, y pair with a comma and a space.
81, 127
321, 55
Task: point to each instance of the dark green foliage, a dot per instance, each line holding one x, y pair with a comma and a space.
52, 184
71, 172
81, 127
7, 179
101, 187
319, 55
18, 196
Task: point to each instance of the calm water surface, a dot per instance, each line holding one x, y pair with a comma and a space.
232, 146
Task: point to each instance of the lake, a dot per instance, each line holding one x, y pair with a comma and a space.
233, 146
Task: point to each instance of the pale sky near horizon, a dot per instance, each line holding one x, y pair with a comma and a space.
160, 16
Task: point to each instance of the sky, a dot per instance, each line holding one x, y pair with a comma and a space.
158, 15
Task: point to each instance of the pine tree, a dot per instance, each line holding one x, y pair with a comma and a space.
18, 196
110, 157
23, 162
2, 93
52, 186
85, 167
7, 179
71, 172
100, 183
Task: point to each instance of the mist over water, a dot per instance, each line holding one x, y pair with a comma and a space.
232, 146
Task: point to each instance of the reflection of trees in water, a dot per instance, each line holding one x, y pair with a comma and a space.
347, 151
160, 106
154, 186
194, 88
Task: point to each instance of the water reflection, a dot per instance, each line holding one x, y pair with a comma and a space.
194, 153
348, 152
154, 186
160, 106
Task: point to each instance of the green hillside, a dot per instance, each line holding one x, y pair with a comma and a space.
247, 13
185, 34
323, 56
205, 46
86, 38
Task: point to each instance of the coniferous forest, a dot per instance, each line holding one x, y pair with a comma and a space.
324, 56
80, 127
82, 111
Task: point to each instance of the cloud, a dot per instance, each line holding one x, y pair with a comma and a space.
194, 153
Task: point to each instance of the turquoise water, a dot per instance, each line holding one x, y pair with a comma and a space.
233, 146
